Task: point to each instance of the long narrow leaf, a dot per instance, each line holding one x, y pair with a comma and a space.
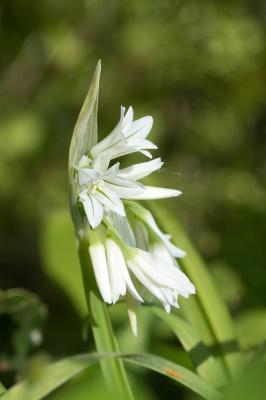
202, 359
51, 377
58, 373
176, 372
213, 306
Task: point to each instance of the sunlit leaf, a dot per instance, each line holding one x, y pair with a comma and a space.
210, 303
176, 372
202, 359
55, 375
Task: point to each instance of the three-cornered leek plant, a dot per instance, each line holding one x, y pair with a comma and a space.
123, 253
130, 256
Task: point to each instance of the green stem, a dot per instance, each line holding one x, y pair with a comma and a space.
105, 340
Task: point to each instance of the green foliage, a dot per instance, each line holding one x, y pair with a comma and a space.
199, 69
54, 375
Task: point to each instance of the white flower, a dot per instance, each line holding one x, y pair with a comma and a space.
110, 271
102, 188
161, 278
150, 236
127, 137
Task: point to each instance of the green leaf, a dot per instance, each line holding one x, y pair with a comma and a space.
219, 329
175, 372
50, 378
53, 376
200, 355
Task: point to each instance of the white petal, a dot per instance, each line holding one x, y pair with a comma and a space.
122, 150
110, 200
146, 153
120, 262
160, 251
102, 161
148, 265
141, 144
139, 171
151, 192
86, 175
174, 250
161, 273
140, 128
124, 188
131, 306
93, 209
115, 138
130, 286
84, 162
145, 280
180, 281
141, 234
167, 308
113, 171
114, 260
98, 258
127, 121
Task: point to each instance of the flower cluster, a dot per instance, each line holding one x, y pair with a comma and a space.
102, 187
130, 255
128, 258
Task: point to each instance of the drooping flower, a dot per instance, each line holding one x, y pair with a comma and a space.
150, 236
120, 268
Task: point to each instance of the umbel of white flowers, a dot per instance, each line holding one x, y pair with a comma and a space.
130, 255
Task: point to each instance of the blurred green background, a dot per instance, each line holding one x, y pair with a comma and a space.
199, 69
